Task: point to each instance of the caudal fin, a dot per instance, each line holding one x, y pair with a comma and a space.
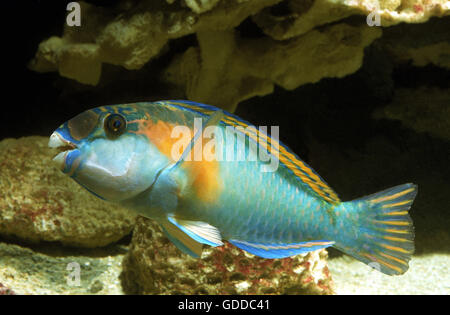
383, 229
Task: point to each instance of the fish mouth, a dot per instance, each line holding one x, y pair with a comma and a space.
64, 146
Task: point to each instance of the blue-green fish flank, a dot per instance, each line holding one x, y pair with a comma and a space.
155, 158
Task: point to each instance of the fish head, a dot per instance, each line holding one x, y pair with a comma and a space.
102, 151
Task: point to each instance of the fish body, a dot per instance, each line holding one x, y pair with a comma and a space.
235, 183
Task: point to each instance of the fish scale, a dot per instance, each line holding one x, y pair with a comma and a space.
281, 212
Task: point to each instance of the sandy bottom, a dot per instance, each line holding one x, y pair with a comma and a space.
29, 272
46, 272
427, 274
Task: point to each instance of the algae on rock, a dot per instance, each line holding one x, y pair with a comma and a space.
40, 203
242, 68
30, 271
153, 265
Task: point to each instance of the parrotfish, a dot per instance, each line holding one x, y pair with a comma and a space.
151, 157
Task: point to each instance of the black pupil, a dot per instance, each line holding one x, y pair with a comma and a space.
117, 123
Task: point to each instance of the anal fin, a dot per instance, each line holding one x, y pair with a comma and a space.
280, 250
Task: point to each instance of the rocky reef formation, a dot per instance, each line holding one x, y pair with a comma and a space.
132, 33
40, 203
153, 265
5, 290
245, 68
296, 17
304, 42
424, 110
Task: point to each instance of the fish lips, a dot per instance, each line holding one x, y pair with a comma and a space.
68, 157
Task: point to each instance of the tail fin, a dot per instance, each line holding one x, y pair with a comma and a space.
384, 230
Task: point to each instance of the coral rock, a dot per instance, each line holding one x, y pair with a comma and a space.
242, 68
297, 17
153, 265
305, 42
423, 110
130, 40
39, 203
422, 44
5, 290
202, 5
49, 269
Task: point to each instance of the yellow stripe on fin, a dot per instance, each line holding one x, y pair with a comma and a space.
397, 231
387, 241
396, 239
300, 169
396, 249
395, 196
378, 260
399, 223
396, 213
393, 258
401, 203
297, 166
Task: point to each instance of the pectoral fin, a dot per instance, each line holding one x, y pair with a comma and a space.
200, 231
181, 240
189, 236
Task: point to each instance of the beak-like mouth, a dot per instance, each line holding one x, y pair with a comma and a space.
64, 146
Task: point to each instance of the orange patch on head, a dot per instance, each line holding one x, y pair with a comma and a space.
204, 175
158, 133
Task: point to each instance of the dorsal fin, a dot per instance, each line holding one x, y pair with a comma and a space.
303, 172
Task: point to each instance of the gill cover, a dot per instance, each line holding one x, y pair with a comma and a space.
105, 157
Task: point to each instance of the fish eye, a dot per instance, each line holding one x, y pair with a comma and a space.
115, 125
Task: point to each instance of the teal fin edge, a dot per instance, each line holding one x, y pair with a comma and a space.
179, 244
280, 250
195, 237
